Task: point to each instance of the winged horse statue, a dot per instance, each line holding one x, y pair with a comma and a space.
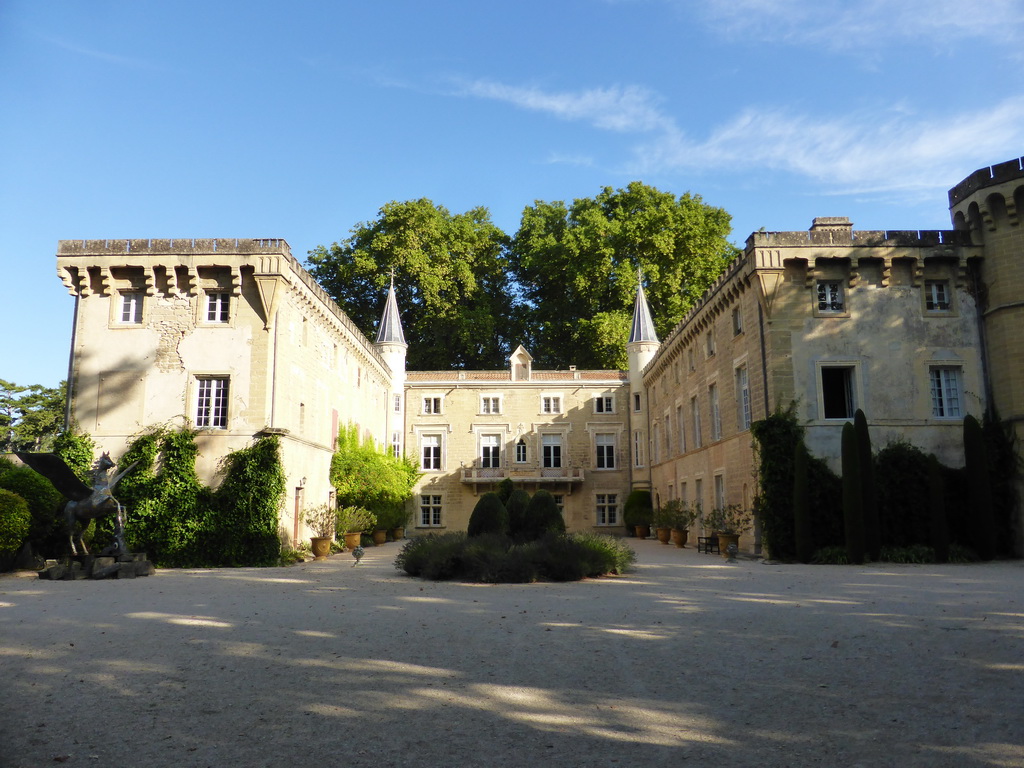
84, 503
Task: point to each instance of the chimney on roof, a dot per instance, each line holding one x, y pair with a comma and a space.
831, 224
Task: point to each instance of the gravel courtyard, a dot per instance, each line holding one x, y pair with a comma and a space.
686, 660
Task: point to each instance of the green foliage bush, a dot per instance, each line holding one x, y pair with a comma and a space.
44, 504
371, 477
516, 506
493, 558
638, 509
902, 480
77, 449
982, 515
15, 521
488, 517
853, 495
542, 517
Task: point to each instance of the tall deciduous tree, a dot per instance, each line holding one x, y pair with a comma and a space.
577, 266
30, 416
451, 279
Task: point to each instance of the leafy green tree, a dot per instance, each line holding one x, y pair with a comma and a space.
577, 267
451, 279
367, 476
30, 416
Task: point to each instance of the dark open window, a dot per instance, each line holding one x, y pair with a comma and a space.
837, 392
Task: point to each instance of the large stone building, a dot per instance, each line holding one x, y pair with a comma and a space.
915, 328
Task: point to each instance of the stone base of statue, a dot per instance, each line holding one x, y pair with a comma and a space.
130, 566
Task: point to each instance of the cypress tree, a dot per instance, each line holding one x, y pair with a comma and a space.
542, 516
853, 502
489, 516
937, 511
801, 506
516, 506
869, 495
979, 489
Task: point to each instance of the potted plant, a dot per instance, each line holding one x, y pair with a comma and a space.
638, 513
728, 523
352, 521
321, 519
682, 516
663, 518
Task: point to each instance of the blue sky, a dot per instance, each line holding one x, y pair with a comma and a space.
144, 118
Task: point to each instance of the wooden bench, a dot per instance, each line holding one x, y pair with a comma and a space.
708, 545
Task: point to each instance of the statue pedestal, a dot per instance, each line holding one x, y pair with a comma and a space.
130, 566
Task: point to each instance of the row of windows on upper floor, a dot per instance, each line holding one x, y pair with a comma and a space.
829, 301
836, 399
433, 451
216, 309
431, 509
433, 405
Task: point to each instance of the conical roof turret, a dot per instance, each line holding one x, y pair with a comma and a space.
390, 329
643, 326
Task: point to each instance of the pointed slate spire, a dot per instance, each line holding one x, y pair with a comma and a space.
643, 325
390, 329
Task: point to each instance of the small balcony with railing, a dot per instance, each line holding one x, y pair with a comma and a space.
476, 473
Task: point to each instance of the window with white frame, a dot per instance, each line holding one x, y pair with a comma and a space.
490, 451
837, 391
430, 452
945, 389
698, 495
218, 307
551, 404
430, 510
710, 341
604, 404
212, 403
607, 509
431, 405
520, 451
655, 442
638, 448
742, 398
559, 502
698, 439
716, 413
551, 453
737, 321
719, 491
830, 296
396, 444
398, 404
605, 445
936, 295
131, 308
490, 405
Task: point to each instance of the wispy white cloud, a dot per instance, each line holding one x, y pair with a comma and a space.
92, 53
860, 24
872, 151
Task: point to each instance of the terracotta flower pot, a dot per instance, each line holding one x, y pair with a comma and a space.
643, 531
664, 535
679, 537
352, 540
379, 537
724, 540
398, 533
321, 546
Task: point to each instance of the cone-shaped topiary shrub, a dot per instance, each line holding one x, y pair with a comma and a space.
542, 517
504, 490
516, 506
869, 496
939, 528
638, 509
979, 489
489, 516
853, 505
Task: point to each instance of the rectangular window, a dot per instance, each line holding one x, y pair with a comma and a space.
936, 295
695, 410
431, 452
742, 398
131, 308
636, 402
710, 343
490, 405
605, 451
551, 404
698, 495
830, 296
607, 509
521, 451
945, 387
680, 425
716, 413
604, 404
719, 492
431, 405
655, 442
490, 451
837, 392
691, 359
398, 403
559, 502
396, 444
212, 407
430, 510
638, 449
552, 451
218, 307
737, 322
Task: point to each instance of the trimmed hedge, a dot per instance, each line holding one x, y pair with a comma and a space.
15, 521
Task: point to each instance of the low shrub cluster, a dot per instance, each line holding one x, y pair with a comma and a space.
496, 558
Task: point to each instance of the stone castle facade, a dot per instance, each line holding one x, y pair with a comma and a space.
233, 336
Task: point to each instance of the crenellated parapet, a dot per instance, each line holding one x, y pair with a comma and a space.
989, 198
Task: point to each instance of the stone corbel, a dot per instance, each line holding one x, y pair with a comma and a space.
1011, 211
236, 281
986, 217
269, 288
769, 280
69, 279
